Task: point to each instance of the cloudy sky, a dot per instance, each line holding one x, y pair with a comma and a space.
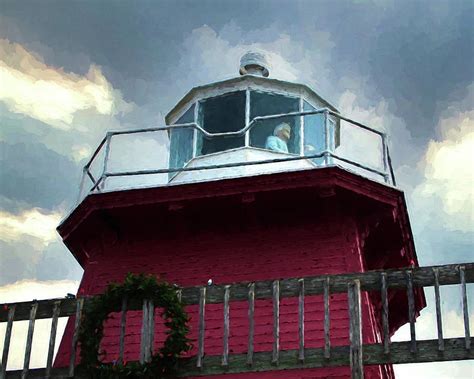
70, 71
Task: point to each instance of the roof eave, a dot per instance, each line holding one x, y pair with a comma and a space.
186, 99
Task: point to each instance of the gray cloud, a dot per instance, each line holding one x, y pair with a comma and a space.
36, 176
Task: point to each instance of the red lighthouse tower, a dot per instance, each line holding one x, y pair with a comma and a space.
253, 179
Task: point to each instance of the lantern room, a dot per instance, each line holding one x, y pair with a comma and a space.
245, 126
250, 118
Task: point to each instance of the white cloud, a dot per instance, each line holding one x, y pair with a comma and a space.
209, 55
439, 370
34, 223
448, 172
30, 87
453, 327
25, 291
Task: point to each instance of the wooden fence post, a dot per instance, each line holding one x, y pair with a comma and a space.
355, 324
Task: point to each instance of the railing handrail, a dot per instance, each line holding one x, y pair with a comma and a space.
314, 285
326, 154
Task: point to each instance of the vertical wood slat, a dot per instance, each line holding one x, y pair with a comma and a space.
327, 322
251, 300
355, 329
144, 332
465, 309
202, 326
411, 311
439, 320
301, 320
385, 326
52, 337
225, 353
29, 340
6, 342
151, 329
276, 322
123, 322
75, 336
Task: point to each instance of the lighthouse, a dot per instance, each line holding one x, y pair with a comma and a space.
259, 180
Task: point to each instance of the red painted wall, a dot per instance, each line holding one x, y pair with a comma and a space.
256, 243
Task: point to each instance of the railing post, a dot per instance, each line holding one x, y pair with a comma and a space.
151, 329
327, 321
465, 310
301, 320
123, 321
355, 332
384, 156
6, 343
81, 185
301, 106
276, 322
29, 340
202, 326
75, 337
225, 353
108, 139
251, 300
384, 295
144, 332
52, 337
439, 320
411, 310
389, 162
326, 137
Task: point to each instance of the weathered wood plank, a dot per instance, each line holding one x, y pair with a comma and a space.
327, 320
371, 280
225, 353
151, 329
75, 336
6, 342
251, 312
301, 321
144, 332
373, 355
52, 337
439, 320
385, 326
123, 322
465, 309
29, 341
202, 327
411, 310
45, 309
355, 330
276, 322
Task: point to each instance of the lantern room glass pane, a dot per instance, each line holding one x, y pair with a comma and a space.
181, 142
264, 104
314, 134
221, 114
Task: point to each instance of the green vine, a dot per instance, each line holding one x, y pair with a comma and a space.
136, 287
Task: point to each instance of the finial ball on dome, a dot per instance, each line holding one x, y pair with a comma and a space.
254, 63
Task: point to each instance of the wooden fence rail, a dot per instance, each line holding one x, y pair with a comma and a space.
356, 354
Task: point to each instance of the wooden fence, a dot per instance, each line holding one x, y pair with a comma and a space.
356, 354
